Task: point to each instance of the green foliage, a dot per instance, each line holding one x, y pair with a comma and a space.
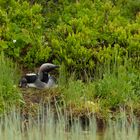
77, 92
119, 87
74, 91
116, 83
22, 33
84, 29
130, 7
9, 93
72, 32
90, 38
115, 91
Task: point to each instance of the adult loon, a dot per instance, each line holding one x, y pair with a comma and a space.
40, 80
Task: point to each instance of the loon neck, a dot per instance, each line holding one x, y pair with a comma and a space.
45, 77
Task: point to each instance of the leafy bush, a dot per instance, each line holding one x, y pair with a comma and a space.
22, 33
75, 33
85, 30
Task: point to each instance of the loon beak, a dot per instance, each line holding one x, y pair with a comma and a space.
56, 66
52, 68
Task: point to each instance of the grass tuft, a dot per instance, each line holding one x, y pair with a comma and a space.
9, 93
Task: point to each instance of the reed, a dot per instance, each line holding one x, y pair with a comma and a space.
46, 126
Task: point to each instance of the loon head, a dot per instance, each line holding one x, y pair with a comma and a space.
47, 67
44, 70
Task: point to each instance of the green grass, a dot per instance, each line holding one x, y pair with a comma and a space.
9, 93
114, 84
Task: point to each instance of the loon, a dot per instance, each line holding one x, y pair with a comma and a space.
40, 80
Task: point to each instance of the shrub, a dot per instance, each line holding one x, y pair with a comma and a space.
85, 30
22, 33
75, 33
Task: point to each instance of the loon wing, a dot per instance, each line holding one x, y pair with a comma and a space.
31, 77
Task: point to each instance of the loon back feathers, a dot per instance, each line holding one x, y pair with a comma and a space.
31, 77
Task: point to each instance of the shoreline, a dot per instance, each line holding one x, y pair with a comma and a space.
34, 98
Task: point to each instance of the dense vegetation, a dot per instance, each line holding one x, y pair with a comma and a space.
97, 40
78, 33
9, 94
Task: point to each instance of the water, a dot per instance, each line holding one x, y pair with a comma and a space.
13, 127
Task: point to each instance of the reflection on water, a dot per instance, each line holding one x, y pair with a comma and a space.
100, 135
48, 128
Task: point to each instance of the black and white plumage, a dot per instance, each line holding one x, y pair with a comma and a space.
40, 80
